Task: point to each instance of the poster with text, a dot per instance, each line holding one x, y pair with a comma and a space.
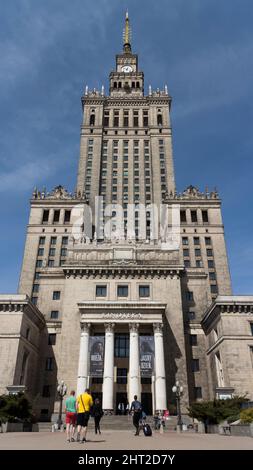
147, 351
97, 356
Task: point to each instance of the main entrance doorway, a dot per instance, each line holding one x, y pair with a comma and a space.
146, 401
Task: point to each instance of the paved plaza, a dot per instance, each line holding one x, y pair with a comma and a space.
124, 440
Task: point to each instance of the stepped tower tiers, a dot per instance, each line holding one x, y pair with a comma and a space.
126, 148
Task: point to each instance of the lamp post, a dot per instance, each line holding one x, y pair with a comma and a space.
62, 390
178, 390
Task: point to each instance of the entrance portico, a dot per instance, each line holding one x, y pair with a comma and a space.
133, 319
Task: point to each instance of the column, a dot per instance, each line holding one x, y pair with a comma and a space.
108, 367
83, 365
160, 383
134, 364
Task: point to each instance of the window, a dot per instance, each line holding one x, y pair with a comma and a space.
51, 263
67, 215
37, 276
126, 119
209, 252
49, 363
183, 216
197, 252
46, 391
185, 241
53, 240
65, 240
136, 118
64, 252
116, 119
40, 251
198, 392
251, 328
208, 240
56, 295
45, 216
195, 365
189, 296
34, 300
205, 217
42, 240
159, 120
196, 240
121, 376
191, 315
187, 263
193, 340
210, 263
106, 115
214, 289
212, 276
121, 347
52, 252
194, 216
101, 291
54, 314
56, 216
186, 252
52, 339
36, 288
122, 291
92, 119
199, 263
145, 118
39, 263
144, 291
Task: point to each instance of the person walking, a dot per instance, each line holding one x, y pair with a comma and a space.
97, 413
84, 403
70, 410
136, 409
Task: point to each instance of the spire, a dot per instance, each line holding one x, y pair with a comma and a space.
127, 35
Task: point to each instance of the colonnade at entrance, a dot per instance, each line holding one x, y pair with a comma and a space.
134, 379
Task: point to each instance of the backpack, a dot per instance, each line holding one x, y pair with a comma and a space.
147, 430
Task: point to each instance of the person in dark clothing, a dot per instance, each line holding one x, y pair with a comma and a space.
136, 409
97, 413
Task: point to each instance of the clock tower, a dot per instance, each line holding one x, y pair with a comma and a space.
126, 80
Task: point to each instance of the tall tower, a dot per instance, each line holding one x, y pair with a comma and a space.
126, 150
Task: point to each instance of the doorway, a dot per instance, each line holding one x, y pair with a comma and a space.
146, 401
121, 398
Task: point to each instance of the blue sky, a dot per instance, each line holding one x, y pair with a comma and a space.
202, 49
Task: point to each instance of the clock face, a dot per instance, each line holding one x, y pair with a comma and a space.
127, 69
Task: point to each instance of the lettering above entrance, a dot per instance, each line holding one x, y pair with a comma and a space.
123, 316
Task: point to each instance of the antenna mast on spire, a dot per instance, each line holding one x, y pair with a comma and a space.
127, 35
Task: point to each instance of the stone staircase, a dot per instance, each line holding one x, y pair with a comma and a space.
117, 423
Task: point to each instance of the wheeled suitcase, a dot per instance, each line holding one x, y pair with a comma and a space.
147, 430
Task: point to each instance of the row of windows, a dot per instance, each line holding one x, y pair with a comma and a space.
53, 240
122, 291
197, 251
196, 241
194, 216
52, 252
56, 216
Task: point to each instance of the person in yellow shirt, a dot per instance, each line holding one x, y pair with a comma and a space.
84, 403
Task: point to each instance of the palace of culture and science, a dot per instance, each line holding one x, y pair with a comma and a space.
121, 310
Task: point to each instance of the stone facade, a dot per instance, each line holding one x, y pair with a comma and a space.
126, 158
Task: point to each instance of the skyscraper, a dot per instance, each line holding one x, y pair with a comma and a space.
123, 308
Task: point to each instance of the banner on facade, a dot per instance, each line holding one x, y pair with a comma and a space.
97, 356
147, 352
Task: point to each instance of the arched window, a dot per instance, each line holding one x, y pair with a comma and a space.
137, 84
92, 118
119, 85
115, 85
159, 120
133, 84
